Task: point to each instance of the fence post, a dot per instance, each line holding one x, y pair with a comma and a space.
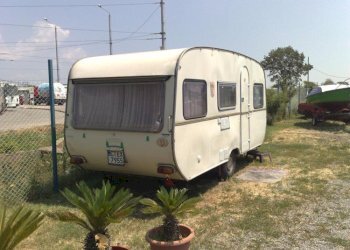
53, 128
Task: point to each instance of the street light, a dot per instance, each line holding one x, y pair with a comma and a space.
109, 28
57, 64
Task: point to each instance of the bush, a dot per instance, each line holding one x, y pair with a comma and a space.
276, 106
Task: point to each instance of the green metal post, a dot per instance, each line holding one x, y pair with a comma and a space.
53, 128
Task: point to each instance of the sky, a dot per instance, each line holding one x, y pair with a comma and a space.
320, 29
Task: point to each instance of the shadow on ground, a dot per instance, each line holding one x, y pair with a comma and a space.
138, 185
327, 126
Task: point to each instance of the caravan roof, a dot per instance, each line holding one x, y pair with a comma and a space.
153, 63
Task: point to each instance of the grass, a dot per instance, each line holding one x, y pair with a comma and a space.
25, 174
304, 210
27, 139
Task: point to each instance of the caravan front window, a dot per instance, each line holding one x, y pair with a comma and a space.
226, 95
258, 95
194, 99
131, 106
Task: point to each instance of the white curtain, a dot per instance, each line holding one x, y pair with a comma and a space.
119, 106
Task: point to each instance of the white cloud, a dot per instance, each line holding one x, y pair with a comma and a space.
5, 53
72, 54
31, 53
41, 42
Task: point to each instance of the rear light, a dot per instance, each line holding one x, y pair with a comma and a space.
77, 159
165, 169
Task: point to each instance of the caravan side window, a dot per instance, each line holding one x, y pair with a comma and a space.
258, 95
194, 99
226, 95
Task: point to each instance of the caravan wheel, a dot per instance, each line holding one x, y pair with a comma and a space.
227, 170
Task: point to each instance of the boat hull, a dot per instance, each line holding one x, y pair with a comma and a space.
334, 101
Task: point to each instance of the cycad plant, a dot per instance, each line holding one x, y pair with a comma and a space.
19, 225
100, 207
171, 204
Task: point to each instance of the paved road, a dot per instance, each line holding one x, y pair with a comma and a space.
27, 116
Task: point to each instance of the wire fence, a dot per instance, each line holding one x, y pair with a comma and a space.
25, 143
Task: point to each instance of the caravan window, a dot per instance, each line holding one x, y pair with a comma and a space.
194, 99
258, 95
226, 95
132, 106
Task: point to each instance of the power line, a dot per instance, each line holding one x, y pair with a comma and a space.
68, 28
22, 69
329, 74
76, 5
49, 42
81, 44
146, 20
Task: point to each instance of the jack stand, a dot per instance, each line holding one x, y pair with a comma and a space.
168, 183
257, 154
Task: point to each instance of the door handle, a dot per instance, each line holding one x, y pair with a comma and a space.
170, 123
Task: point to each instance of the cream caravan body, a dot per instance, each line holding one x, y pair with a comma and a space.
181, 112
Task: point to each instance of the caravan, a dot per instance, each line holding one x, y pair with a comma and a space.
177, 113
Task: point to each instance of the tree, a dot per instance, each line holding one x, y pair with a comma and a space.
10, 90
328, 82
309, 85
286, 66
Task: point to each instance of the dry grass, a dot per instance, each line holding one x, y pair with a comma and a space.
307, 209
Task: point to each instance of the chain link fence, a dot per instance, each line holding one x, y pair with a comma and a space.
25, 143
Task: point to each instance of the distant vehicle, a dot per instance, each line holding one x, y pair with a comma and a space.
176, 113
42, 93
12, 101
2, 100
327, 102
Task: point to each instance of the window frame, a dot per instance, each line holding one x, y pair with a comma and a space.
220, 83
183, 98
116, 81
262, 104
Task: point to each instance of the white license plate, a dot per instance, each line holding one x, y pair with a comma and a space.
116, 157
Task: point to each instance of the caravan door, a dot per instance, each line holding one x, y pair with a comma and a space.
245, 110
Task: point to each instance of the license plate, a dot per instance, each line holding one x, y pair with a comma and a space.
116, 157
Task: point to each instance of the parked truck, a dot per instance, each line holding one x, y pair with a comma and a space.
42, 93
176, 113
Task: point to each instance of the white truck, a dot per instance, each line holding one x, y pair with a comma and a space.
176, 113
42, 93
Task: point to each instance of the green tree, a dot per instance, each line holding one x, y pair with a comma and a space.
10, 90
285, 67
309, 85
275, 106
328, 82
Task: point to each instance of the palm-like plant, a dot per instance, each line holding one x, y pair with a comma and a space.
19, 225
172, 204
101, 207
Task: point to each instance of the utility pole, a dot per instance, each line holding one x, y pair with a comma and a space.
109, 28
56, 45
162, 23
57, 63
308, 69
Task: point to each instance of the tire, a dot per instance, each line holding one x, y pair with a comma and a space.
228, 169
